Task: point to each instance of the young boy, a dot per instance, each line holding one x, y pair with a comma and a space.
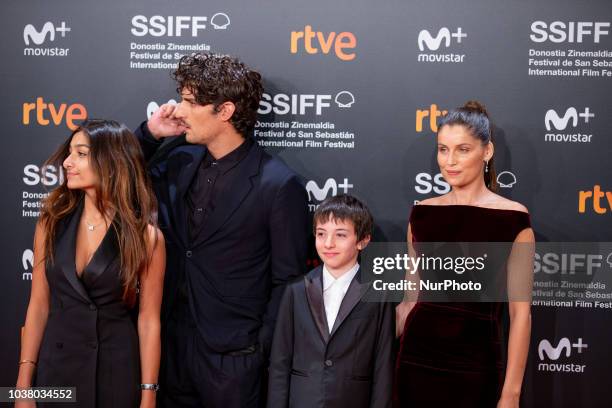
331, 349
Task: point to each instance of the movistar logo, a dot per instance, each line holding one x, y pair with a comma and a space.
560, 123
553, 353
329, 189
564, 345
27, 259
433, 43
31, 34
552, 118
444, 35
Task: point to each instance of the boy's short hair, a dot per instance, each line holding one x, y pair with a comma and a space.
345, 207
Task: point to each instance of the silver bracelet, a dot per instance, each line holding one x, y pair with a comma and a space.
150, 387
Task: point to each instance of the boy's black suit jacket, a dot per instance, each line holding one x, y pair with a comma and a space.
350, 367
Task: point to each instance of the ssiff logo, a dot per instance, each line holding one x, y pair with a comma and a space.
556, 122
427, 42
425, 183
329, 189
571, 32
220, 21
552, 263
176, 26
34, 175
302, 104
33, 36
563, 350
506, 179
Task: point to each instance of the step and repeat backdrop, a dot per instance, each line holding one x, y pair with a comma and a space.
354, 90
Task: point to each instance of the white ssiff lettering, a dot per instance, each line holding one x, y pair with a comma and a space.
170, 26
48, 176
425, 184
282, 104
571, 32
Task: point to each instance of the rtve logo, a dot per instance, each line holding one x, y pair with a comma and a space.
433, 113
595, 196
564, 346
552, 118
329, 189
301, 104
444, 34
571, 32
176, 26
57, 114
30, 33
342, 43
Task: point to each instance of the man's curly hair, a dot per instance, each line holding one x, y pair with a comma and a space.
217, 79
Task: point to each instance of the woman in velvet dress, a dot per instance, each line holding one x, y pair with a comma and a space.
96, 254
452, 354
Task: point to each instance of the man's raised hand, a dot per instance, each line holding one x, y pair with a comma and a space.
163, 123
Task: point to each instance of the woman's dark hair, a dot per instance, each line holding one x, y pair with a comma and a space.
124, 189
475, 118
217, 79
345, 207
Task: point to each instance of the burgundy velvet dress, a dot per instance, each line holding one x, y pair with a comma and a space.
452, 354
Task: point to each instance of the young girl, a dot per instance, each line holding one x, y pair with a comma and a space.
97, 254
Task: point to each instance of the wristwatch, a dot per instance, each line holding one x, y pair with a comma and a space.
150, 387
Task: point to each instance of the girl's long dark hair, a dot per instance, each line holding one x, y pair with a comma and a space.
124, 189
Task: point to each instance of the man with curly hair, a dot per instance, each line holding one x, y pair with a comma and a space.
235, 220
